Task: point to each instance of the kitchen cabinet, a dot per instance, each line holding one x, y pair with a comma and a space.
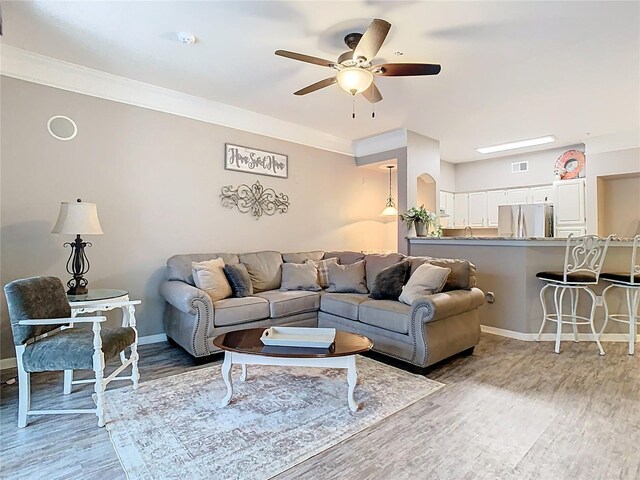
495, 198
447, 208
517, 195
460, 209
563, 232
477, 209
569, 203
542, 194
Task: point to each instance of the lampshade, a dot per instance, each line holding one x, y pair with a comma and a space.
78, 218
354, 80
389, 211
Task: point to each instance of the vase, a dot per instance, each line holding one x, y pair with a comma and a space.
421, 229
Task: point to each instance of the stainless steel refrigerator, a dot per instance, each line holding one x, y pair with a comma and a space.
525, 220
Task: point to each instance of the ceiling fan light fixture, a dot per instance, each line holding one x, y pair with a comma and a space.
354, 80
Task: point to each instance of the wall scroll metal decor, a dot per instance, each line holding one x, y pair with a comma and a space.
250, 160
254, 199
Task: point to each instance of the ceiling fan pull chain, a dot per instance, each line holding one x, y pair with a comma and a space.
353, 106
373, 110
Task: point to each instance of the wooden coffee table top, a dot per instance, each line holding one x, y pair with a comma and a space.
248, 341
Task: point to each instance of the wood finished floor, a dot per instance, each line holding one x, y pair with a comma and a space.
514, 410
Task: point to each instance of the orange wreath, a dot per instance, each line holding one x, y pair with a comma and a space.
570, 164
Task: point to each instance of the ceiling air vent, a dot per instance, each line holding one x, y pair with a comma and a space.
519, 167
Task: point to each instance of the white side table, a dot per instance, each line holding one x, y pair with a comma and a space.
100, 300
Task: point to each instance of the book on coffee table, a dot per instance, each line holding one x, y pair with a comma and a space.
298, 337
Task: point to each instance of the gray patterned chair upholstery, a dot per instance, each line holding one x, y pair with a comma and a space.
45, 340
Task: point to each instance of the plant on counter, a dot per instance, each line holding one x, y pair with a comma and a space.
419, 217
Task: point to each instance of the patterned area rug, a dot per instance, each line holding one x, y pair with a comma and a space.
172, 428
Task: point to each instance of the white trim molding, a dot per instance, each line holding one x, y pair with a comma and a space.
7, 363
551, 337
43, 70
380, 143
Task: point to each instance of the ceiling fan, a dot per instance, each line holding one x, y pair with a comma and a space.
356, 73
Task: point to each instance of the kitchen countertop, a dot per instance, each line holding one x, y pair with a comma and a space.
508, 241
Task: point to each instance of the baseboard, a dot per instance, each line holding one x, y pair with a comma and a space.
551, 337
6, 363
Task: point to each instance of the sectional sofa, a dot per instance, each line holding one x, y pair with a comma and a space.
433, 328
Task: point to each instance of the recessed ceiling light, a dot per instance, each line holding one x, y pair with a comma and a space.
521, 144
186, 37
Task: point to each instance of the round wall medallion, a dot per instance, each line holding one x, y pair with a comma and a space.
62, 128
570, 164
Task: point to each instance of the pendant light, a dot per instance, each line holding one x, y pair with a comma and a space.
390, 210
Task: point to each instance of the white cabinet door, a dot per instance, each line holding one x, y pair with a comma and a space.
542, 194
461, 209
517, 195
477, 209
446, 208
569, 203
495, 198
563, 232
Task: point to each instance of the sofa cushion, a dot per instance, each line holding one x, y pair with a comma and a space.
427, 280
347, 278
283, 304
265, 269
345, 258
239, 280
388, 314
179, 266
389, 282
462, 276
376, 262
342, 304
233, 311
301, 257
300, 276
209, 276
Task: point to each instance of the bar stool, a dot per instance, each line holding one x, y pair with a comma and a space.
631, 283
583, 259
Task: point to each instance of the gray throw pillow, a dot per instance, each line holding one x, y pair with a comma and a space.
426, 280
347, 278
389, 282
299, 276
239, 280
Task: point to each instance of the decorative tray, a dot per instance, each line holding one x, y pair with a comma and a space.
299, 337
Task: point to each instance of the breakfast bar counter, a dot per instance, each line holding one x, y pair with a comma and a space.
507, 267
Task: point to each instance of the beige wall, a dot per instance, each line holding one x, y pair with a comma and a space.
619, 205
496, 172
447, 177
156, 179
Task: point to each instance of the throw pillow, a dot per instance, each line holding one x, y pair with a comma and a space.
209, 276
426, 280
347, 278
299, 276
389, 282
323, 270
239, 279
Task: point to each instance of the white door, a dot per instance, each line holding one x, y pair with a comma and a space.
569, 203
477, 209
495, 198
446, 208
517, 195
461, 208
542, 194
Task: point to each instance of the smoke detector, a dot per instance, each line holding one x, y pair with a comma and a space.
186, 37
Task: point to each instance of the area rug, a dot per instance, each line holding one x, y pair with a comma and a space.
173, 428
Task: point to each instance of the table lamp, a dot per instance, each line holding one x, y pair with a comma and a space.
78, 219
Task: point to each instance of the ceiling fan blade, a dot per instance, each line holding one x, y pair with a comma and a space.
372, 94
316, 86
372, 40
305, 58
405, 69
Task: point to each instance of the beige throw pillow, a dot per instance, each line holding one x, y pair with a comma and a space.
209, 276
299, 276
426, 280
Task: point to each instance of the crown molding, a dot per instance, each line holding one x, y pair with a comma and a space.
35, 68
